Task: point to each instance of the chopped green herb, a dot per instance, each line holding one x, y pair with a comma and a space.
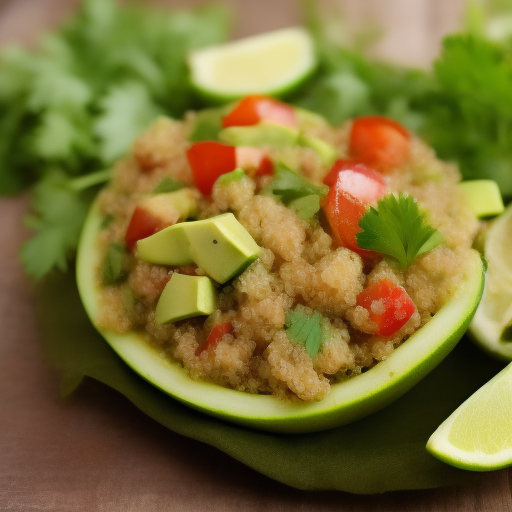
306, 207
397, 228
77, 102
167, 185
305, 329
290, 186
114, 265
230, 177
207, 125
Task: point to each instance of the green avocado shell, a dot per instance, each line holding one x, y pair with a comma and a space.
347, 401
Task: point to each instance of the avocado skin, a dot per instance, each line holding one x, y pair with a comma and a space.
185, 297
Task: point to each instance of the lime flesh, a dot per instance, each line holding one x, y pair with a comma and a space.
491, 326
273, 63
347, 401
478, 435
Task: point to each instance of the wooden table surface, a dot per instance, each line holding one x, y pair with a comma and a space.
97, 452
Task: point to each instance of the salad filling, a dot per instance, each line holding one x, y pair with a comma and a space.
266, 251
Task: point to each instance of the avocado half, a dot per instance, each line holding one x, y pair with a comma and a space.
346, 402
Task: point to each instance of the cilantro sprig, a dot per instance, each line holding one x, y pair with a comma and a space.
397, 228
305, 329
74, 106
296, 192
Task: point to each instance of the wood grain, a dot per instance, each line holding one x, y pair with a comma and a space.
96, 452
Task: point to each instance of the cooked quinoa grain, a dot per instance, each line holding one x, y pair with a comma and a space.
301, 269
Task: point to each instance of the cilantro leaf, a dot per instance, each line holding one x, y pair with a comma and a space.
397, 228
305, 329
306, 207
58, 213
127, 109
296, 191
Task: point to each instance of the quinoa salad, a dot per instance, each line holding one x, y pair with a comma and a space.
307, 304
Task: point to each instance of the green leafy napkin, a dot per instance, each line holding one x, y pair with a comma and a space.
383, 452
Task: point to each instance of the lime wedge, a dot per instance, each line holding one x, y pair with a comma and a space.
483, 197
491, 327
274, 63
478, 435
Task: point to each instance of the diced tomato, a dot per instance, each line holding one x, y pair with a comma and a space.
208, 161
215, 336
142, 224
379, 142
254, 109
353, 187
389, 306
254, 161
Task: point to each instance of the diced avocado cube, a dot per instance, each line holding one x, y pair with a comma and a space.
221, 246
185, 297
261, 134
170, 246
483, 197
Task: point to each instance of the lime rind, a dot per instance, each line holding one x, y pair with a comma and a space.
494, 314
478, 435
347, 401
274, 64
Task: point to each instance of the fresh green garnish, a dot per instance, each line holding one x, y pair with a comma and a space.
397, 228
114, 265
230, 177
306, 207
305, 329
75, 104
293, 189
167, 185
207, 125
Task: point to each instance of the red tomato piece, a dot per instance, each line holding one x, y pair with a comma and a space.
142, 224
379, 142
353, 187
215, 336
254, 161
254, 109
389, 306
208, 161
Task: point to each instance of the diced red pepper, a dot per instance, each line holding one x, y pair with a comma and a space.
353, 187
254, 161
254, 109
389, 306
142, 224
215, 336
208, 161
379, 142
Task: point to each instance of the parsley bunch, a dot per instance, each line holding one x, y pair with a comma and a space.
462, 106
74, 106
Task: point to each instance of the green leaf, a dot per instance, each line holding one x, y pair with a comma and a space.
397, 228
127, 110
306, 207
289, 185
207, 125
114, 265
57, 216
373, 455
305, 329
